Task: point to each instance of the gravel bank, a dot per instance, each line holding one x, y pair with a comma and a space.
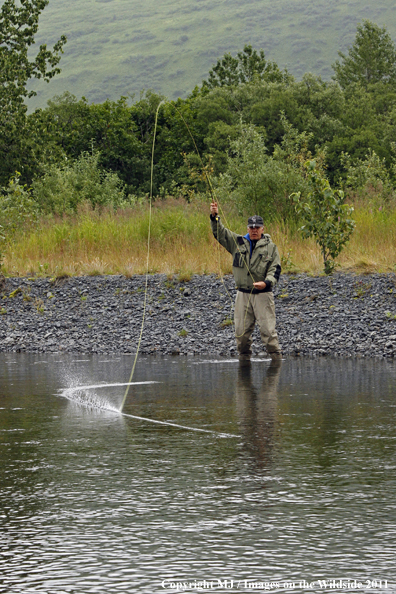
344, 316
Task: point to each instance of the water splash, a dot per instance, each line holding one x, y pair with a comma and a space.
84, 396
87, 399
94, 387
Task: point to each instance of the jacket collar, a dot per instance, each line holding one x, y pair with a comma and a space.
264, 236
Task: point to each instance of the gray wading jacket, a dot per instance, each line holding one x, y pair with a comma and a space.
265, 264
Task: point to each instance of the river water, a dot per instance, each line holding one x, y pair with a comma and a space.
295, 478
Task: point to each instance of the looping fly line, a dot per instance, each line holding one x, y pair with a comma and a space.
147, 262
214, 199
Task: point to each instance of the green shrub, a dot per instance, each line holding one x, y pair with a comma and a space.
326, 218
368, 174
63, 188
18, 210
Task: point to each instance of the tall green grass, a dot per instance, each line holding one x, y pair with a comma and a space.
182, 242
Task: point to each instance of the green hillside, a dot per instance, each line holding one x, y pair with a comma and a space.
119, 47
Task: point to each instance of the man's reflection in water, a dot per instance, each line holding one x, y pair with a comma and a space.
257, 412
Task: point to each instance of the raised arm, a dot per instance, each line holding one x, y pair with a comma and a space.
224, 236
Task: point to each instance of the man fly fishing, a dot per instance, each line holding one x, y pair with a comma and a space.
256, 267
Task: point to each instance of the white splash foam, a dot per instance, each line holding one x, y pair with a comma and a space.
94, 387
88, 400
81, 395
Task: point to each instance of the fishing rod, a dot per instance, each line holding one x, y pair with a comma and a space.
214, 199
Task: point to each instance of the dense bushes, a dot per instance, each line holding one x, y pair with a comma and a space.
61, 190
18, 209
253, 126
255, 180
351, 115
63, 187
336, 122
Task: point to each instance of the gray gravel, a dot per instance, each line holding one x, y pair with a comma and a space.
341, 316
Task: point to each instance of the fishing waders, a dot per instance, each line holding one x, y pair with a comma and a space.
250, 308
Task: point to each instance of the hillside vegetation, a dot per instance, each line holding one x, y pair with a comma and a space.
119, 47
75, 176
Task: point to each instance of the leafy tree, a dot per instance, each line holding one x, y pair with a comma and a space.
356, 144
354, 119
218, 140
371, 59
111, 128
248, 66
18, 26
365, 122
122, 134
326, 218
266, 110
69, 123
244, 181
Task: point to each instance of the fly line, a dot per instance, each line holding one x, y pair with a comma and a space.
214, 199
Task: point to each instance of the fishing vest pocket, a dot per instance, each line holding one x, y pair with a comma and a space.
239, 259
263, 264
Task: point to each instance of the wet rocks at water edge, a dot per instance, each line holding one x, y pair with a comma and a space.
343, 316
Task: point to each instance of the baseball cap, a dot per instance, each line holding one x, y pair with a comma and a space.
255, 221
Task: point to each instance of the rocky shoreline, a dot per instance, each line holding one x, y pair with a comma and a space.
341, 316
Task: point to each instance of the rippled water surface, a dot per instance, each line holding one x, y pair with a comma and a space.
295, 478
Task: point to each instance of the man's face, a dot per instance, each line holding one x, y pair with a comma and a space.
255, 232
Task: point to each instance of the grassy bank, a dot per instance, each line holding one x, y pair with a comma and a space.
182, 242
